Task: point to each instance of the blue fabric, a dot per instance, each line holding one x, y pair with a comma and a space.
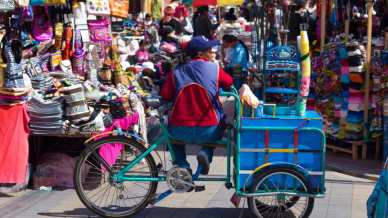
194, 135
203, 73
239, 56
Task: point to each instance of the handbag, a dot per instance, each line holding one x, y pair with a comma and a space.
54, 2
117, 26
42, 30
7, 5
55, 60
99, 31
22, 3
105, 75
119, 8
98, 7
36, 2
58, 35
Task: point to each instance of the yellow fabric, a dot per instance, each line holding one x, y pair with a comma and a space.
230, 2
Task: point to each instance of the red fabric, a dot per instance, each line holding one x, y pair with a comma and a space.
188, 112
181, 11
13, 144
197, 3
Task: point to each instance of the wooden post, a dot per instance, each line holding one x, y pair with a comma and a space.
368, 66
323, 24
386, 41
347, 21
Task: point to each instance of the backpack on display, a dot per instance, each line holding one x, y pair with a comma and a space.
22, 3
119, 8
98, 7
7, 5
42, 29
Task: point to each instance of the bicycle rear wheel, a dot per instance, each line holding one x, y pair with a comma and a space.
93, 178
280, 180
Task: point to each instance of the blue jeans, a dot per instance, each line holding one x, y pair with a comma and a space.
194, 135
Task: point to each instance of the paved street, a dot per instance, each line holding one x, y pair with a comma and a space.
346, 198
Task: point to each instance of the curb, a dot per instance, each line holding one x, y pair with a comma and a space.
353, 173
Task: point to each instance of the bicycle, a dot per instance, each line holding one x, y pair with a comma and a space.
273, 185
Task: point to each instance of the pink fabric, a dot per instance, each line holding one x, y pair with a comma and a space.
356, 98
344, 70
110, 152
13, 144
142, 55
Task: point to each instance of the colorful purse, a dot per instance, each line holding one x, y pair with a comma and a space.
58, 35
98, 7
79, 56
119, 8
22, 3
7, 5
36, 2
99, 31
55, 60
54, 2
42, 30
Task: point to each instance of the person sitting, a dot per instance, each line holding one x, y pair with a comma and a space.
169, 27
202, 24
196, 115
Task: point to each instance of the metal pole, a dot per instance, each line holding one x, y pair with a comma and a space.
368, 67
347, 21
323, 24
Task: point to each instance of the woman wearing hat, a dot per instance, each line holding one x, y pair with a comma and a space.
196, 115
238, 61
169, 26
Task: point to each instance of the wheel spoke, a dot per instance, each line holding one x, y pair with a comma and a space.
110, 197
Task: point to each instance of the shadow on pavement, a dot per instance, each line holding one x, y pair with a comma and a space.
161, 212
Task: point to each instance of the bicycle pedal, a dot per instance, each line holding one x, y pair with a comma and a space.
199, 188
159, 166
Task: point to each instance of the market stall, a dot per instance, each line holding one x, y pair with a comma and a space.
357, 113
73, 69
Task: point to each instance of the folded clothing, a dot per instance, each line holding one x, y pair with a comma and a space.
357, 69
356, 78
356, 60
355, 117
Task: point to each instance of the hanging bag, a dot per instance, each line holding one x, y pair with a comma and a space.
7, 5
98, 7
119, 8
22, 3
42, 29
99, 31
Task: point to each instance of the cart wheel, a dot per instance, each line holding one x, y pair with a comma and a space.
100, 193
277, 180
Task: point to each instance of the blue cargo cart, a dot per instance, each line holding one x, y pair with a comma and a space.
276, 162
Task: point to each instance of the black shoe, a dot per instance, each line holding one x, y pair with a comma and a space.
203, 161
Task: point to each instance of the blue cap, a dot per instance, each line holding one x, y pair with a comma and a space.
201, 43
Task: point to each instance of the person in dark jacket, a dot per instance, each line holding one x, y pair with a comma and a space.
202, 23
230, 16
298, 17
169, 27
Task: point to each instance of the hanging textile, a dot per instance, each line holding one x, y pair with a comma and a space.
13, 144
147, 6
156, 9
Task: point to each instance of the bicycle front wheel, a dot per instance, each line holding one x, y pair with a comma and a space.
96, 188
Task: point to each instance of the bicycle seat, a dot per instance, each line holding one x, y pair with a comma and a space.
216, 144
